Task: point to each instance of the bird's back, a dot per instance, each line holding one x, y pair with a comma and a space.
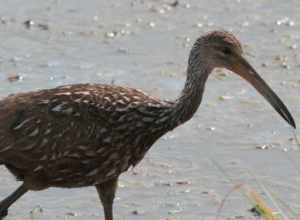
78, 135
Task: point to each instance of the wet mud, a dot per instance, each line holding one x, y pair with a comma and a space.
145, 44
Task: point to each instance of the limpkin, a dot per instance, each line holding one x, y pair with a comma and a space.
88, 134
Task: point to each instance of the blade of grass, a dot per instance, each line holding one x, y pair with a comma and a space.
291, 212
268, 194
235, 188
296, 138
260, 205
250, 194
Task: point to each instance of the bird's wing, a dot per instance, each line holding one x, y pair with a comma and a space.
65, 126
39, 126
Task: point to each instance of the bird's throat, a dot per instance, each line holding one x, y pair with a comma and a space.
191, 96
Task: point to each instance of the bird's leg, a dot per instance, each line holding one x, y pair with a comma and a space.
8, 201
106, 193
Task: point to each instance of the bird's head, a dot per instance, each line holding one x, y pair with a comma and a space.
222, 49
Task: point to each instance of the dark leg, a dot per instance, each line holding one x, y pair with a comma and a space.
8, 201
106, 193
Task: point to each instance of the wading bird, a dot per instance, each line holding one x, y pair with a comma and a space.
88, 134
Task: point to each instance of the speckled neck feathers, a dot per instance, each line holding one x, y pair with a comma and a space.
191, 96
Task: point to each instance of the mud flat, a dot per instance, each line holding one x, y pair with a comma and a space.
145, 44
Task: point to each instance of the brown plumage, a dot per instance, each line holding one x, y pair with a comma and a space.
70, 132
83, 135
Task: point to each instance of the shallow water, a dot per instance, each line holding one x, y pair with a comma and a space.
145, 44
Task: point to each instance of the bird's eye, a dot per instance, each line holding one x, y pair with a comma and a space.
226, 51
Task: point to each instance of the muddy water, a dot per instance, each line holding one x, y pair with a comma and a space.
145, 44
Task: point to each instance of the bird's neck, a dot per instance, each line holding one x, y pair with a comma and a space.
191, 96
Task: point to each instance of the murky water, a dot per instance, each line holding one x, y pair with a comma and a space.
145, 44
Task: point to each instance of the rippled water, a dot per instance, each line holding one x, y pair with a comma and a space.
145, 44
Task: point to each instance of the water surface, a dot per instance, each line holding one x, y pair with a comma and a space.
145, 44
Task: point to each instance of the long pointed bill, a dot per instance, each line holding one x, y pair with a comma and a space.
246, 71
